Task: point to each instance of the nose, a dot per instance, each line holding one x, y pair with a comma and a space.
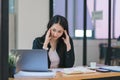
55, 34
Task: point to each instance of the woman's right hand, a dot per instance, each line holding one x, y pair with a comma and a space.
47, 38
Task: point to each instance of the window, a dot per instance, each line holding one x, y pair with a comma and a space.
11, 6
97, 17
74, 16
117, 18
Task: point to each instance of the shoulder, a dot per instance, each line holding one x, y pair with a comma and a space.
39, 39
38, 43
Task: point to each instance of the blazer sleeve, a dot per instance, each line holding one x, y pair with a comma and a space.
37, 43
70, 57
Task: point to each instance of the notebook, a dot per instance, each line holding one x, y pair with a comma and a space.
34, 60
111, 68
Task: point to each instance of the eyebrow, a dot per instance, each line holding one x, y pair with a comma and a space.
57, 30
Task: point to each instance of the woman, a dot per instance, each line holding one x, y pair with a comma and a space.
58, 43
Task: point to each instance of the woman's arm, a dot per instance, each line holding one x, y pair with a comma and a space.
69, 56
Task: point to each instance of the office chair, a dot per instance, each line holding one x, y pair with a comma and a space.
102, 51
115, 58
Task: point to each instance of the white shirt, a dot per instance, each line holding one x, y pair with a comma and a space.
54, 58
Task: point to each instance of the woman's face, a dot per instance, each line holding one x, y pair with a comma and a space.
56, 31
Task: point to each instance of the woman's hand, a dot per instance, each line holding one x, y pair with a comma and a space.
67, 40
47, 39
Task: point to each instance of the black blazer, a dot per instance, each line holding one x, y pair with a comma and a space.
66, 59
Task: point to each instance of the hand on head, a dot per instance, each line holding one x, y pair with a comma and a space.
48, 36
47, 39
66, 38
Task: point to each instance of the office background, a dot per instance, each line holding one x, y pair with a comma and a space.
30, 20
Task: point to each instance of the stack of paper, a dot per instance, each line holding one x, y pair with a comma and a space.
22, 74
77, 70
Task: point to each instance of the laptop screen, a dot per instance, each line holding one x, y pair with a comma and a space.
32, 60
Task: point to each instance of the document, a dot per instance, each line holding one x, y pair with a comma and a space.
57, 69
76, 70
22, 74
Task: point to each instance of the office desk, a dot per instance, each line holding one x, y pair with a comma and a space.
86, 76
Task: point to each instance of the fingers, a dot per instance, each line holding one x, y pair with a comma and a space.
65, 33
48, 36
48, 33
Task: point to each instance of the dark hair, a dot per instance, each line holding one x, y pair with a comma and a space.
61, 47
58, 19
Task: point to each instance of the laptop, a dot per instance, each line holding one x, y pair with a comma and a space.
34, 60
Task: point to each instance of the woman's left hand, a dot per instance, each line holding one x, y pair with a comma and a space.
67, 40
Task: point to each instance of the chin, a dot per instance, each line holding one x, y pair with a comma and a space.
55, 38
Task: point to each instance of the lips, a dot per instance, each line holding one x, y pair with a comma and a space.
54, 36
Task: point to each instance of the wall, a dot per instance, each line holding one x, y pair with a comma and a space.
11, 32
32, 18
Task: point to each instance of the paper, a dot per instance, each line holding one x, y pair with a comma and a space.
21, 74
57, 69
76, 70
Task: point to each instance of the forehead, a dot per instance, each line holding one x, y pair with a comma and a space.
57, 26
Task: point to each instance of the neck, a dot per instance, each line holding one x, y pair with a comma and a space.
53, 44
